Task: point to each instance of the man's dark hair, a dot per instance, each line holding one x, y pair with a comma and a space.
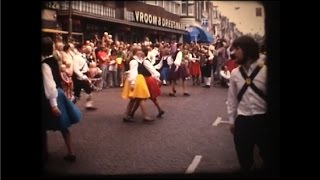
113, 51
46, 46
249, 47
219, 44
179, 44
66, 47
145, 50
79, 46
263, 48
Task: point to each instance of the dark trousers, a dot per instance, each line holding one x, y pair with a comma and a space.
250, 131
81, 84
207, 70
164, 73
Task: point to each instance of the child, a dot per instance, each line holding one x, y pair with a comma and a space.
69, 71
225, 74
113, 69
66, 81
95, 72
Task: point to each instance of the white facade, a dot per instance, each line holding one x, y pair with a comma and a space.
186, 22
173, 7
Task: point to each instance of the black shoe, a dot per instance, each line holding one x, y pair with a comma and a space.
206, 86
186, 94
145, 120
91, 108
172, 95
174, 91
70, 158
76, 99
128, 119
160, 114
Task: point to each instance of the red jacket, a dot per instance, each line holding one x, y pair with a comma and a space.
231, 64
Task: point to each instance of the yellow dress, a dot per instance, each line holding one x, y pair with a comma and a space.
140, 89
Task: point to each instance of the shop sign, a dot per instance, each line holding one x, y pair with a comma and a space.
146, 18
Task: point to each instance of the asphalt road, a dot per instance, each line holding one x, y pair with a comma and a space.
105, 145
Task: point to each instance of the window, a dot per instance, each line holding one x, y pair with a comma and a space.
173, 7
197, 9
214, 14
96, 8
109, 11
162, 3
184, 8
166, 5
99, 10
150, 2
258, 11
130, 16
190, 8
200, 9
178, 11
65, 6
87, 7
90, 8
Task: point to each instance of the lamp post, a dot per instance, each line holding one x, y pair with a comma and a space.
70, 20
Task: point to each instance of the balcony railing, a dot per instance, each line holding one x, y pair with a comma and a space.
89, 7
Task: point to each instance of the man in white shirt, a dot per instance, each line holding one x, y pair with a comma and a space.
80, 78
247, 104
153, 54
208, 67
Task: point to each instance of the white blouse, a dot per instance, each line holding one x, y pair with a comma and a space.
225, 74
49, 84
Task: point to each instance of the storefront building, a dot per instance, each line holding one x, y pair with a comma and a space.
129, 21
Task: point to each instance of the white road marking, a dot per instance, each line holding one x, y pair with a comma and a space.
218, 121
192, 167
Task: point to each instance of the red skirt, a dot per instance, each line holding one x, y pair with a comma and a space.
153, 87
195, 68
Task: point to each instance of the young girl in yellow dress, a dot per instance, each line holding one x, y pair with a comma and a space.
135, 87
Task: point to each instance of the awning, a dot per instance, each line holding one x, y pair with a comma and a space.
199, 35
59, 31
193, 35
205, 36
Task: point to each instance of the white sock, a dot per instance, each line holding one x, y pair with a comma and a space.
89, 103
208, 82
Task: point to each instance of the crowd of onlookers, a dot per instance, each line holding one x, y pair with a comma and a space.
108, 60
